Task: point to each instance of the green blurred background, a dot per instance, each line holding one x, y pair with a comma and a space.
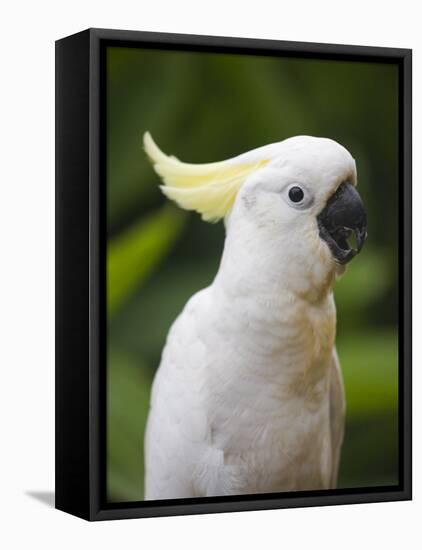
204, 107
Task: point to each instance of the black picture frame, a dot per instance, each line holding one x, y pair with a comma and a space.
80, 274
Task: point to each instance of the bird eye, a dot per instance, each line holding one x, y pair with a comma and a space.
296, 194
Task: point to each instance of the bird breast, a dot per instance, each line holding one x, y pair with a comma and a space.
268, 360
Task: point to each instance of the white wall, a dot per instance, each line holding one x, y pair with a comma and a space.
27, 269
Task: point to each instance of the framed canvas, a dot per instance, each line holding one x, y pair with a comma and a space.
233, 274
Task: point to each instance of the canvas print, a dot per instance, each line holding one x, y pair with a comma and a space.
252, 274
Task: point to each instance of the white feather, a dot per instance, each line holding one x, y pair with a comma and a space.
247, 398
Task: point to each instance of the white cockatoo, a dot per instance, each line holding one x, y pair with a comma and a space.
248, 397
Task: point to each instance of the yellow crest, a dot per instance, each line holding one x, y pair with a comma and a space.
209, 189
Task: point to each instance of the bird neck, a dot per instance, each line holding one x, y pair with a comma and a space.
264, 267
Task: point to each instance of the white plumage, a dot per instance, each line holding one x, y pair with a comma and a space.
248, 397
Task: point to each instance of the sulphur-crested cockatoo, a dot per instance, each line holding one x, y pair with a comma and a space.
248, 397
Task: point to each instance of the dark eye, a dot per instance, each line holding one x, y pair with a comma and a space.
296, 194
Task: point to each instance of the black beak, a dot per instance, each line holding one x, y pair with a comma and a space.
343, 217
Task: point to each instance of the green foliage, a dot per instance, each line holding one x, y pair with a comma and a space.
134, 254
369, 363
364, 282
207, 107
128, 388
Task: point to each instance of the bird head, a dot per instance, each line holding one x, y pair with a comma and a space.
294, 201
